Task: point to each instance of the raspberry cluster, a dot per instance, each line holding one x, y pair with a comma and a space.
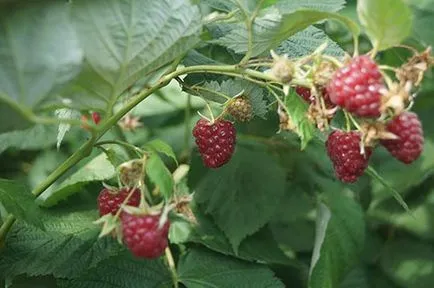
215, 141
141, 233
357, 87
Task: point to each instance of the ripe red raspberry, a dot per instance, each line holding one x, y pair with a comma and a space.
306, 95
110, 201
408, 128
356, 87
216, 142
241, 109
343, 149
142, 236
96, 117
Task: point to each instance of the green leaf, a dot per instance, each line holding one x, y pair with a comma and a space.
356, 278
160, 175
294, 236
390, 168
321, 5
297, 112
23, 281
12, 119
421, 4
214, 90
67, 248
127, 41
122, 271
419, 222
409, 262
241, 196
371, 172
387, 22
174, 101
272, 28
44, 164
260, 246
162, 147
200, 268
37, 137
306, 42
422, 26
40, 54
339, 240
98, 169
17, 200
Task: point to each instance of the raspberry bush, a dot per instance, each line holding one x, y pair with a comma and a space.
216, 143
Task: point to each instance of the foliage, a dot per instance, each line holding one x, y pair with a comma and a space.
274, 215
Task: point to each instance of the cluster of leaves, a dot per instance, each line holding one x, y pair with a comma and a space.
273, 217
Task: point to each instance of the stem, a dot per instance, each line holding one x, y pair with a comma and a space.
347, 121
210, 112
353, 121
187, 121
356, 45
124, 143
249, 26
231, 70
128, 147
374, 50
5, 227
171, 263
81, 153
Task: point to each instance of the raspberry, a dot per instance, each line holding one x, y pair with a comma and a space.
216, 142
408, 128
96, 117
306, 95
142, 236
241, 109
356, 87
343, 148
110, 201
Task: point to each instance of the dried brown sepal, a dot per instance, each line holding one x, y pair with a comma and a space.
413, 71
323, 74
131, 173
285, 121
130, 123
182, 206
320, 116
396, 98
372, 132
